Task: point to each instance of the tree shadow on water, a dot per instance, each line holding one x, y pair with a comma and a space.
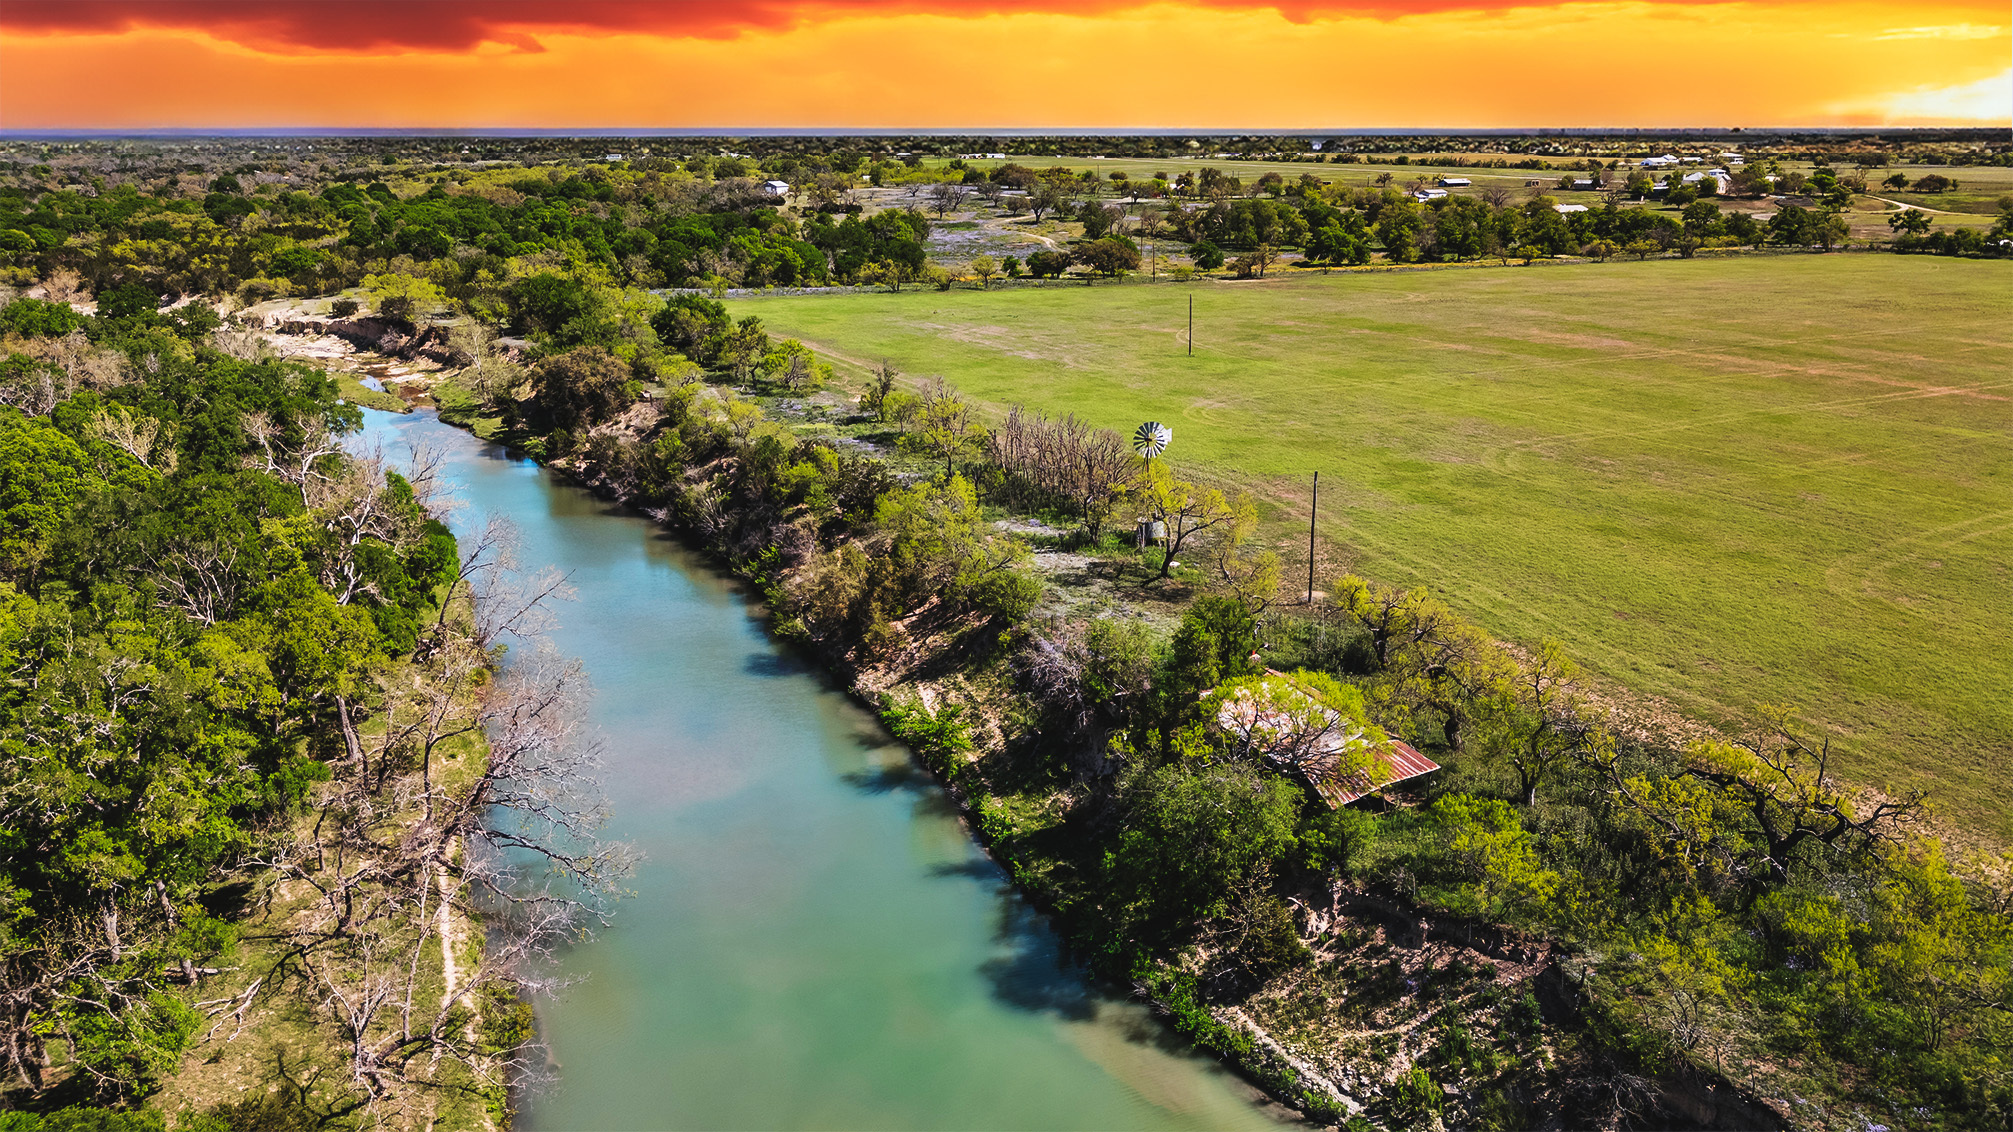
1030, 971
770, 665
976, 868
889, 778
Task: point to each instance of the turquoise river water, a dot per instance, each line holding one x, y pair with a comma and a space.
813, 940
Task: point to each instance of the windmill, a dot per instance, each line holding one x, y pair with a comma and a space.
1151, 439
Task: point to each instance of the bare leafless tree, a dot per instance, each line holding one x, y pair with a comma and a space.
408, 855
947, 197
138, 435
1065, 459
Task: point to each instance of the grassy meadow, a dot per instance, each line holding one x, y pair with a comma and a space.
1723, 482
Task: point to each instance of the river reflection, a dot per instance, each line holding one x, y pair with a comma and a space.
813, 940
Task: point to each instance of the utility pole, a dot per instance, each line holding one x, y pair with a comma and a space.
1312, 510
1191, 324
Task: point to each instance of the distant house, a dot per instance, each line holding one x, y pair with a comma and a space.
777, 188
1586, 184
1424, 195
611, 157
1569, 207
1692, 160
1455, 182
1664, 162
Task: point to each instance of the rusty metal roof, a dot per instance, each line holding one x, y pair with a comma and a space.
1397, 759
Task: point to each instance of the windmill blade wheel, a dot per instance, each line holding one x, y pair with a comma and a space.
1151, 439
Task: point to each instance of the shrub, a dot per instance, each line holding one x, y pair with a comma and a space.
507, 1020
343, 308
1010, 595
939, 737
82, 1119
1206, 256
1416, 1094
1336, 840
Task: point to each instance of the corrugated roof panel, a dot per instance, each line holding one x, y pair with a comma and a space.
1401, 761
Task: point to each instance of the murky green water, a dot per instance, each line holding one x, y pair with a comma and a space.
814, 942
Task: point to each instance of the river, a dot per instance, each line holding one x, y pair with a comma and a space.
813, 940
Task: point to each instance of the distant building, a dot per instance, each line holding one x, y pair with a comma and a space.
1424, 195
1455, 182
1570, 207
1663, 162
777, 188
611, 157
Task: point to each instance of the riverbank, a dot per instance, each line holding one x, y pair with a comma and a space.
1397, 967
806, 899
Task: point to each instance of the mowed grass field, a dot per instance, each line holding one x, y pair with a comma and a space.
1779, 480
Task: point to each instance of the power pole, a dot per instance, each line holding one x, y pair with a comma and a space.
1191, 324
1312, 510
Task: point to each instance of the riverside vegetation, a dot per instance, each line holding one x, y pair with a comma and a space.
1576, 920
261, 772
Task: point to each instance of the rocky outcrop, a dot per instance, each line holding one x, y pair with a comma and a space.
366, 332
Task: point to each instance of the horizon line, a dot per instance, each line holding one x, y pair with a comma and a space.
955, 131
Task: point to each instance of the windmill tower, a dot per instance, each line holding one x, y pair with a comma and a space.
1150, 440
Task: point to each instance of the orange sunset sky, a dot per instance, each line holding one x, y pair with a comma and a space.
1200, 64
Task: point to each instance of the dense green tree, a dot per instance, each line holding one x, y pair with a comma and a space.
1913, 221
1111, 256
581, 387
42, 474
1189, 838
34, 318
1048, 263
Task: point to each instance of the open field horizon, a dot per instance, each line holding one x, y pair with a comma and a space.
1725, 483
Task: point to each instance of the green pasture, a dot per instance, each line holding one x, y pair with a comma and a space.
1724, 482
